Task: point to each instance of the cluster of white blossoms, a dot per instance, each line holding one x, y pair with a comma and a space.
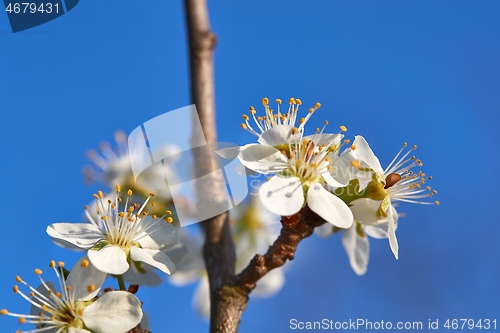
340, 181
349, 189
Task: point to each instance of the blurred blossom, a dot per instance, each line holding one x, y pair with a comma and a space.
254, 230
113, 166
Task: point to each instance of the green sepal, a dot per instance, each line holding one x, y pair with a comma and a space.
350, 192
140, 268
100, 244
359, 230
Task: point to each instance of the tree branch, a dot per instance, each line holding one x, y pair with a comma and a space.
294, 229
218, 252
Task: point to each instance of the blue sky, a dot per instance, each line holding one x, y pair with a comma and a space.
424, 72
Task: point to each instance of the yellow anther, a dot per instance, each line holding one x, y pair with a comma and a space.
295, 130
291, 100
169, 212
302, 120
109, 201
265, 101
245, 117
85, 263
3, 312
18, 278
22, 320
355, 164
428, 188
343, 128
129, 193
90, 288
52, 264
243, 126
311, 110
32, 294
121, 214
317, 105
437, 202
326, 122
347, 141
154, 216
252, 111
95, 196
405, 144
119, 199
330, 168
118, 188
259, 118
38, 271
68, 288
414, 147
16, 289
353, 147
104, 217
144, 213
86, 207
170, 220
131, 219
434, 191
279, 101
421, 164
298, 101
100, 194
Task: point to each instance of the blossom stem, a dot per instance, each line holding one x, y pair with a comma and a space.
121, 282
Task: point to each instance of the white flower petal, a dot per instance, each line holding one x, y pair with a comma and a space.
80, 278
35, 310
379, 230
331, 181
82, 235
357, 249
365, 211
277, 135
176, 252
391, 232
324, 231
155, 258
325, 139
201, 299
163, 238
75, 330
262, 159
110, 259
228, 153
282, 195
328, 206
366, 154
113, 312
146, 278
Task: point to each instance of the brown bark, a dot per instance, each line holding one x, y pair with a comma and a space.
218, 252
